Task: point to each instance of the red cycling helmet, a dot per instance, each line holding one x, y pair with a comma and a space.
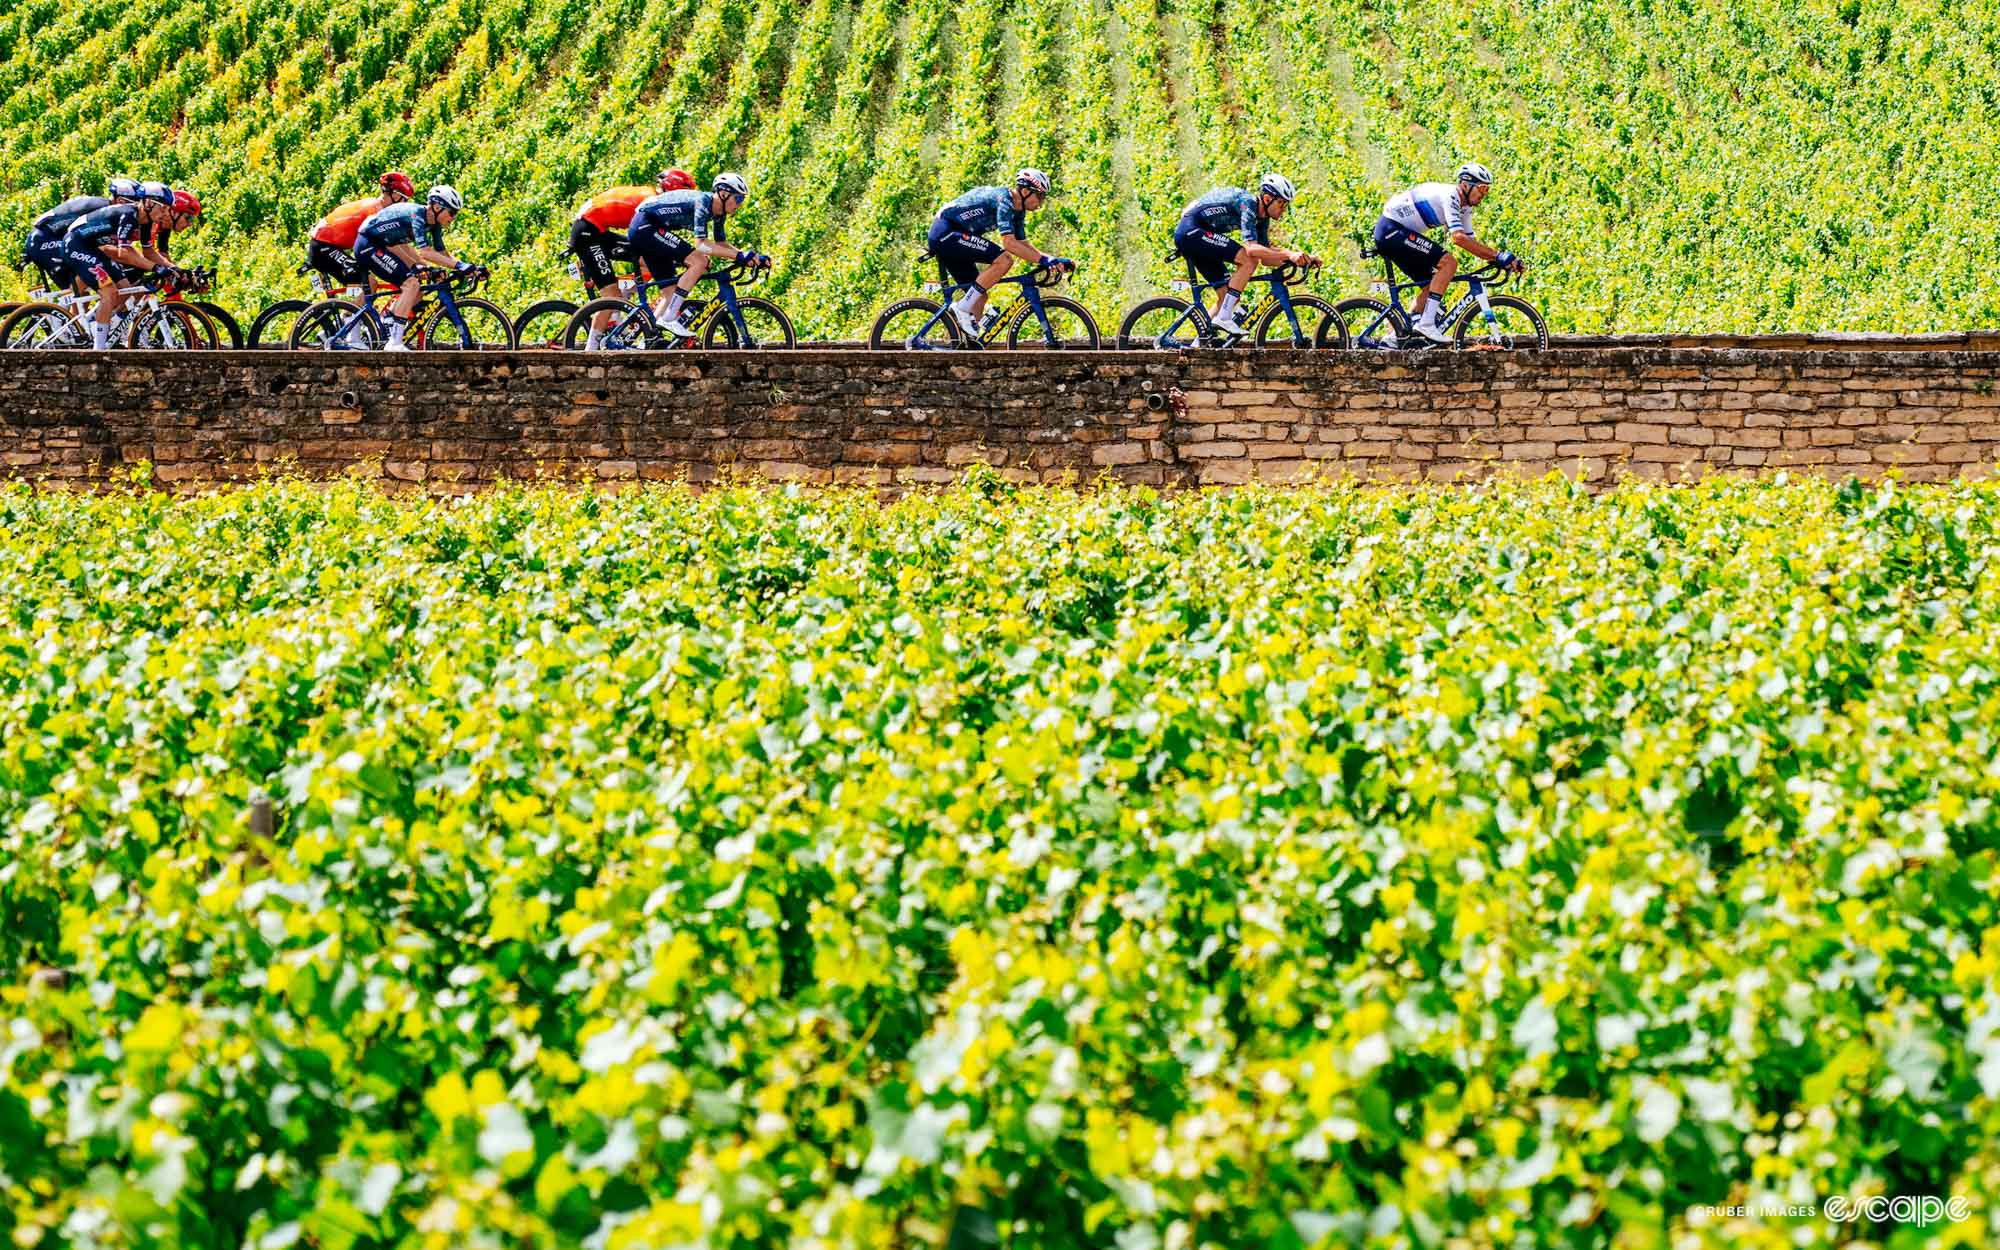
185, 202
399, 182
676, 180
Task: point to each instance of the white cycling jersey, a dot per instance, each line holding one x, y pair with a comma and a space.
1428, 205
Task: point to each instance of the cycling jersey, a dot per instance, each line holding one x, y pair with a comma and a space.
613, 209
55, 223
1227, 210
399, 224
983, 210
673, 212
343, 224
1429, 205
115, 225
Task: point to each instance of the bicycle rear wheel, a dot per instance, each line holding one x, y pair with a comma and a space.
770, 329
173, 328
1514, 326
1071, 327
272, 328
1274, 330
317, 328
486, 329
913, 325
43, 327
1163, 323
231, 333
627, 328
540, 326
1365, 324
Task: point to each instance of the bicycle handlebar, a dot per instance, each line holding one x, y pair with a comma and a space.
1045, 275
465, 283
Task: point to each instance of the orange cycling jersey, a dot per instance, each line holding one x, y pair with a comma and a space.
340, 227
613, 210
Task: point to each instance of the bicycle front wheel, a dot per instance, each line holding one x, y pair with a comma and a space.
1274, 329
1366, 324
540, 326
914, 325
770, 329
625, 327
173, 328
42, 327
1164, 323
320, 328
1071, 328
486, 328
230, 332
1513, 326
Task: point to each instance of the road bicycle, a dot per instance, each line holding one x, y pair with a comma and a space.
446, 319
1505, 322
200, 280
271, 329
727, 321
542, 323
1271, 320
150, 318
1034, 321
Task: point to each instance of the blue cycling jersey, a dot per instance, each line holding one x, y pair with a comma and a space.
114, 226
398, 224
55, 223
1228, 210
983, 210
677, 212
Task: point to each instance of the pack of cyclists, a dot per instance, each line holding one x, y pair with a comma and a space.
671, 233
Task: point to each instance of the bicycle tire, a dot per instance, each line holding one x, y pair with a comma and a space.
883, 337
23, 322
264, 322
223, 322
531, 336
472, 310
721, 332
316, 326
1273, 331
172, 327
1088, 340
7, 308
1538, 340
578, 332
1129, 339
1361, 321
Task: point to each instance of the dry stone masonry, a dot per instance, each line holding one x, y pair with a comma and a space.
453, 423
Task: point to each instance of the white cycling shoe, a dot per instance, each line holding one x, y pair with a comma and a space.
1229, 325
395, 347
677, 328
1432, 331
966, 322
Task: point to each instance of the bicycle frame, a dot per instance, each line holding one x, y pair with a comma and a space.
708, 311
438, 291
1205, 324
1477, 284
1028, 302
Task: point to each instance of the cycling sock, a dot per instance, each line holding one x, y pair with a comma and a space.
396, 327
595, 341
100, 334
674, 303
1227, 306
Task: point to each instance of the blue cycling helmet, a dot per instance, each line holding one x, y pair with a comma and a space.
158, 192
123, 189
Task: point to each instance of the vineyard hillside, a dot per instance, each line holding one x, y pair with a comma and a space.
1665, 164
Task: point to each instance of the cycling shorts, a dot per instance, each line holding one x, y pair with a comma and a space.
964, 256
1416, 255
663, 251
596, 250
49, 256
1212, 253
383, 263
92, 269
335, 262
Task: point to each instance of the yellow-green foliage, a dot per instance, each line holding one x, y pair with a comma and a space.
1499, 867
1666, 164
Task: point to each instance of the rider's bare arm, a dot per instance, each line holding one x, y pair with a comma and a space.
1465, 242
1265, 255
432, 256
1022, 248
135, 257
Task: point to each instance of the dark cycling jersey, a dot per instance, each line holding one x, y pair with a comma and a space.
676, 211
114, 226
399, 224
1228, 210
983, 210
55, 223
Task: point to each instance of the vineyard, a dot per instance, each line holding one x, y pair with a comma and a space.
1665, 164
1499, 867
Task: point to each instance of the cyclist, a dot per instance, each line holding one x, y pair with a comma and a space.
44, 246
101, 247
1403, 235
393, 242
958, 238
595, 241
330, 248
1205, 236
182, 208
660, 222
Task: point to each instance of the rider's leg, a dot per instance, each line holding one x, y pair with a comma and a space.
975, 299
1440, 283
696, 264
109, 300
1232, 293
401, 309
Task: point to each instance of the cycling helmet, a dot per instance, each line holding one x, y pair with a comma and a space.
185, 202
732, 184
1032, 180
1279, 186
446, 197
156, 192
1475, 173
399, 182
674, 180
123, 189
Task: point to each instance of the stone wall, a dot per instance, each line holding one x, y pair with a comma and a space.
445, 423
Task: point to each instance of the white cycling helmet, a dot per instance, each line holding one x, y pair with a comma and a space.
445, 197
1279, 186
732, 184
1033, 180
1476, 174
